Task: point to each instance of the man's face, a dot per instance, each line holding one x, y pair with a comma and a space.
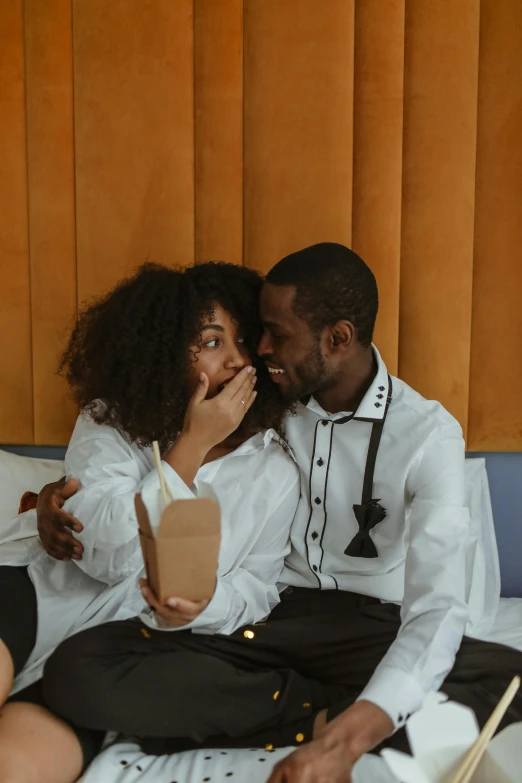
293, 353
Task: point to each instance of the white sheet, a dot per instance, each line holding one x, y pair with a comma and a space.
123, 762
507, 628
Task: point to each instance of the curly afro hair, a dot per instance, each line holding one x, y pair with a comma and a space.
131, 349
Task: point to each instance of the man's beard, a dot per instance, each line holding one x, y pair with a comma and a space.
310, 376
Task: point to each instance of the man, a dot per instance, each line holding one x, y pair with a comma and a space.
381, 522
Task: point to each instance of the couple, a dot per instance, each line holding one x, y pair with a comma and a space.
371, 613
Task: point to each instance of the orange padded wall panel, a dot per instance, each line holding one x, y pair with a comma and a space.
298, 126
440, 129
377, 158
16, 392
218, 50
50, 156
495, 415
134, 135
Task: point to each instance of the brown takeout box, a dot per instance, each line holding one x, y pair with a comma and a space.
181, 559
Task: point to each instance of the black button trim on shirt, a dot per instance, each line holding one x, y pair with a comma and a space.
314, 567
324, 422
378, 405
318, 501
314, 535
381, 388
320, 462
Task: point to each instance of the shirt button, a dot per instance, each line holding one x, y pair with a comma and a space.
320, 462
314, 567
318, 501
381, 388
314, 535
377, 404
324, 423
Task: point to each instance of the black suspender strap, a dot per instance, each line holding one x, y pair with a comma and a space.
373, 448
370, 512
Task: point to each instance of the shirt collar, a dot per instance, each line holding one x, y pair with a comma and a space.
372, 405
257, 442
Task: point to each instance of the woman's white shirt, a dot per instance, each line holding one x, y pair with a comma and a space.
258, 490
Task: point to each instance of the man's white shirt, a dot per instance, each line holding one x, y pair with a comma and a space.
419, 480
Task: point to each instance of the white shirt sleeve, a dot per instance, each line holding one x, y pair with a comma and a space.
434, 611
109, 475
247, 594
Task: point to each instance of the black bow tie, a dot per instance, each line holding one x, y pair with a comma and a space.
367, 515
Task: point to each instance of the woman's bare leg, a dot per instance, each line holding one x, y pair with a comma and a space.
36, 746
6, 672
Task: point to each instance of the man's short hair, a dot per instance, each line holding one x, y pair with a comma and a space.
332, 284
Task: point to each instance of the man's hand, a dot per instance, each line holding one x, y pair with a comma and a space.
175, 611
330, 757
54, 525
317, 762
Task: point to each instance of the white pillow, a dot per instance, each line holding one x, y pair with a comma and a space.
20, 474
482, 564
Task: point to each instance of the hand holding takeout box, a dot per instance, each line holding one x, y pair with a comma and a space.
180, 540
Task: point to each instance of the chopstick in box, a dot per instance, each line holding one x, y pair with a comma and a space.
165, 490
472, 758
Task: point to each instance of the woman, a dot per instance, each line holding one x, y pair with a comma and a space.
166, 356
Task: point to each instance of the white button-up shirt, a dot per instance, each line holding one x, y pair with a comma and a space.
419, 480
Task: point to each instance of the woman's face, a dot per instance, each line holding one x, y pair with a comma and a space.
219, 352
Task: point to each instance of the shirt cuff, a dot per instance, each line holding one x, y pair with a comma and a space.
396, 692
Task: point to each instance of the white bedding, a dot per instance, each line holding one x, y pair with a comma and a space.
123, 762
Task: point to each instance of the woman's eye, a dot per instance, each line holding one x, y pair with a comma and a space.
212, 343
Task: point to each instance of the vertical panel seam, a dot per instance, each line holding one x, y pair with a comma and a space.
468, 429
73, 120
354, 44
28, 218
401, 182
194, 131
401, 225
243, 126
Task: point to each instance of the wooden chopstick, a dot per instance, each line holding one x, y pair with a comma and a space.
159, 467
473, 756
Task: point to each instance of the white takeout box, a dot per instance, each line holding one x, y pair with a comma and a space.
440, 735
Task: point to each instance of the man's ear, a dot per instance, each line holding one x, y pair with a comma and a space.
342, 335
